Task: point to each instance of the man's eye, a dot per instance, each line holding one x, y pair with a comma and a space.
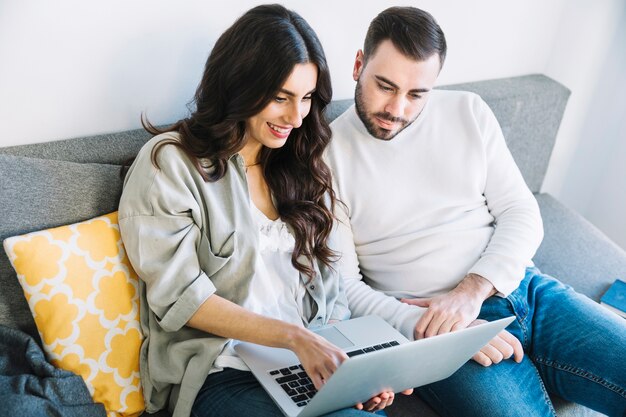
385, 88
415, 96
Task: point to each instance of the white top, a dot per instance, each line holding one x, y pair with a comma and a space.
442, 199
276, 290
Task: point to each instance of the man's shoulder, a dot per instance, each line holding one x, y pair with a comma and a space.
458, 97
466, 104
454, 96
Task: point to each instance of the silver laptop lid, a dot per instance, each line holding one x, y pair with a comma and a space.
407, 365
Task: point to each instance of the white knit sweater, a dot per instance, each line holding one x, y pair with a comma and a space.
441, 199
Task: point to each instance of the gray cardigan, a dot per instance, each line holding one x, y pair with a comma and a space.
188, 239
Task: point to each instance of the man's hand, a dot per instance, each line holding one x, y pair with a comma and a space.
454, 310
501, 347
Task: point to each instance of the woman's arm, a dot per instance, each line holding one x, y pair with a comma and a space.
224, 318
319, 357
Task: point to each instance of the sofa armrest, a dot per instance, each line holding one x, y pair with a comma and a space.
575, 251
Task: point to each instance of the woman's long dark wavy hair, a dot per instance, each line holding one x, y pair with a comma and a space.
248, 65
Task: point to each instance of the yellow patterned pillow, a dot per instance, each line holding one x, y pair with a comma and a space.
83, 294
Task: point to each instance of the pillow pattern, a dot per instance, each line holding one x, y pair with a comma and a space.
83, 294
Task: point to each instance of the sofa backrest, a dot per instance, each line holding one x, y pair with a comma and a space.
56, 183
37, 194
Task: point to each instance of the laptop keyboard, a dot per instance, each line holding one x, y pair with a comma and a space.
299, 386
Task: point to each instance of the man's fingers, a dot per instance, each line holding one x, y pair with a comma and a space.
481, 359
435, 325
448, 326
518, 350
422, 324
432, 324
477, 322
495, 356
458, 326
502, 346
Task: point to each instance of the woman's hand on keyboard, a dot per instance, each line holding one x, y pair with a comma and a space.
319, 357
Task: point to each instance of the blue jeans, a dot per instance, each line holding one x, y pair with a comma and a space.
232, 393
573, 348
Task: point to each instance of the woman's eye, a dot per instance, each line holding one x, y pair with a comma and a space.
306, 98
280, 99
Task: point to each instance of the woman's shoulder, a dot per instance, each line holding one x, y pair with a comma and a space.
162, 175
160, 157
165, 142
165, 152
166, 149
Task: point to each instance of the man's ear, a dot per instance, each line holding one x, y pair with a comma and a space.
359, 64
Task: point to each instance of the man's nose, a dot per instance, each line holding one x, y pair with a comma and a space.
395, 106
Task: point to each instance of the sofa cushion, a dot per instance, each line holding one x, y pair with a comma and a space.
84, 297
576, 252
36, 194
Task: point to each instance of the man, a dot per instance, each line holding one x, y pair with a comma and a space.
438, 231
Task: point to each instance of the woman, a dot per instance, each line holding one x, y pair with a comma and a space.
226, 217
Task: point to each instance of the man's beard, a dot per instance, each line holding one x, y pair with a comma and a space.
373, 129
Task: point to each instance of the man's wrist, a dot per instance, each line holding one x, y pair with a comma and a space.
477, 285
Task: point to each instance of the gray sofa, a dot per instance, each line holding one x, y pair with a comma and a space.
57, 183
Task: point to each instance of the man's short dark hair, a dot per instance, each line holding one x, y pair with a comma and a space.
412, 31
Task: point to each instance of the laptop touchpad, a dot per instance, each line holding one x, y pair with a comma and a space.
335, 337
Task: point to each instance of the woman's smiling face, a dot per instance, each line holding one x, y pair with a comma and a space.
271, 127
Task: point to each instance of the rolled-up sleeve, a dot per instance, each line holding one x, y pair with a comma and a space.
161, 227
163, 253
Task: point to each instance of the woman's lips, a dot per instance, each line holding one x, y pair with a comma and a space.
279, 131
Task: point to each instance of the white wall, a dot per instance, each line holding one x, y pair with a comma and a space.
589, 166
73, 67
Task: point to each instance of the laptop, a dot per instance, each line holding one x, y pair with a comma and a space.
379, 359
